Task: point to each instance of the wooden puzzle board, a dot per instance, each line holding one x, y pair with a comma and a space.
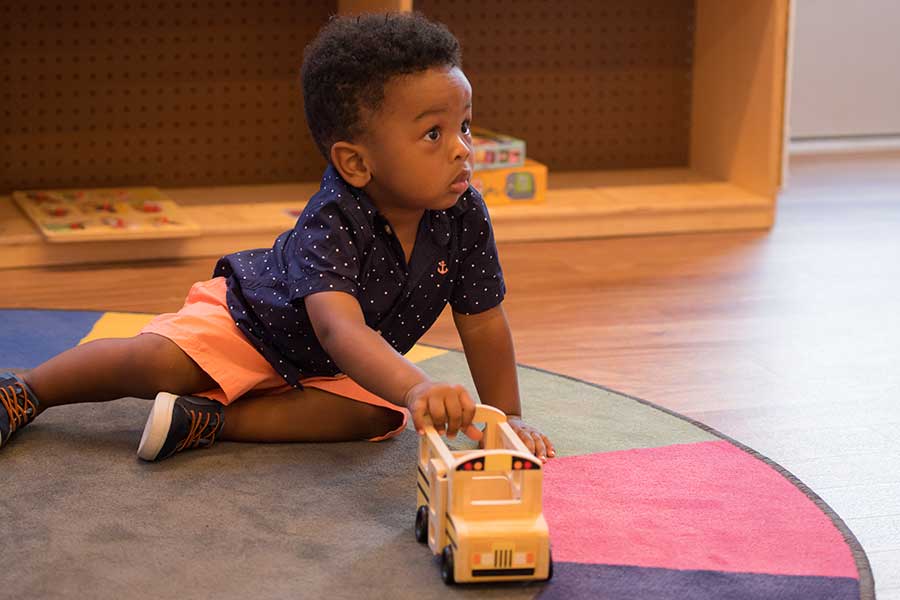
105, 214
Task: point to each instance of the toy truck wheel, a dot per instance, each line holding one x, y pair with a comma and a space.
550, 569
447, 566
422, 524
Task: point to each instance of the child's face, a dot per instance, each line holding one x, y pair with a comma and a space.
419, 145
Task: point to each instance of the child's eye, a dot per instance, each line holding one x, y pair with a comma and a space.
466, 128
433, 135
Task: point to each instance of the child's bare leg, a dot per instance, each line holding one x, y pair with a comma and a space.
308, 415
115, 368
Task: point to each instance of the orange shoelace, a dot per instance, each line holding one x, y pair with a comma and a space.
201, 432
18, 415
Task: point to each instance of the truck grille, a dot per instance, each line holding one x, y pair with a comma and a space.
503, 559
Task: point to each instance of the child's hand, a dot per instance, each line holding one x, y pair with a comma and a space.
537, 442
449, 406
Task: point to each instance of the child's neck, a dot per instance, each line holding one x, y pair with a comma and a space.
402, 219
405, 224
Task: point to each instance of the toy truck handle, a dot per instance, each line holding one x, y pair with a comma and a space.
497, 433
488, 414
483, 414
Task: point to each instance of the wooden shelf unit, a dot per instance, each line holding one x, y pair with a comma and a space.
733, 174
579, 205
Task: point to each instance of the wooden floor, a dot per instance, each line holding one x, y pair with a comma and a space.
787, 340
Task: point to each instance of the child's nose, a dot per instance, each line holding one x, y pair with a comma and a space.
461, 148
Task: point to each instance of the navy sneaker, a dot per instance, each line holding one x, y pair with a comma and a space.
178, 423
18, 405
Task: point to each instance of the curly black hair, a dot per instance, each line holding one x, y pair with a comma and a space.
347, 65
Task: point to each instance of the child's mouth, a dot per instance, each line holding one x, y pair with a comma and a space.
461, 183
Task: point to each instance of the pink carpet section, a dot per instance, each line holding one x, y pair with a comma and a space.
707, 505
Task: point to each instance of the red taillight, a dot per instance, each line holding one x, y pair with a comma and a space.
527, 464
476, 464
476, 559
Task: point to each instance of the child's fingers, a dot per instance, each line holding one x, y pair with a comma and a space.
551, 450
437, 411
540, 447
418, 416
468, 409
454, 413
526, 438
474, 433
460, 410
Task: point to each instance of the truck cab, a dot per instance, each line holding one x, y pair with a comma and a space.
480, 510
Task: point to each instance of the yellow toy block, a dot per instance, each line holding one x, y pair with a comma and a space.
481, 510
513, 185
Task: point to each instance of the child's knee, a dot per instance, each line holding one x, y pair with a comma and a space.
154, 351
174, 370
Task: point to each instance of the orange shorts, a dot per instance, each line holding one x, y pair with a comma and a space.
205, 331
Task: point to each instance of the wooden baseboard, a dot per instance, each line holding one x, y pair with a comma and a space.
579, 205
845, 145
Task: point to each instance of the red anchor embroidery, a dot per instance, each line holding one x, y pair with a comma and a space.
442, 268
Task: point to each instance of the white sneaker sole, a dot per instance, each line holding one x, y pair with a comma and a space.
157, 428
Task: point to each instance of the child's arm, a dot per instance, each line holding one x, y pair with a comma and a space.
489, 350
368, 359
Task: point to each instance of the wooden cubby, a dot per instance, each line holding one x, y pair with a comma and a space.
654, 116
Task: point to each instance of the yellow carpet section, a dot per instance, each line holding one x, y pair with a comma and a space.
120, 325
419, 353
117, 325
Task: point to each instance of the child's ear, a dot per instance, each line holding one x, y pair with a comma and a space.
350, 161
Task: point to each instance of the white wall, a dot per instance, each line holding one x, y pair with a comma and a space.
845, 75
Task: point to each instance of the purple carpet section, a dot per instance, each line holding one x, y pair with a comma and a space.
612, 582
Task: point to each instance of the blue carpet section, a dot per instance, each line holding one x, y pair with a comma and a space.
573, 580
47, 332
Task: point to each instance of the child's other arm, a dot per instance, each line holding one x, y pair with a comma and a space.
368, 359
488, 343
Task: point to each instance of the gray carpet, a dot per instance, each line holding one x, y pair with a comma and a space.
83, 517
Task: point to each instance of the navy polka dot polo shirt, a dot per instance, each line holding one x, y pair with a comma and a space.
342, 243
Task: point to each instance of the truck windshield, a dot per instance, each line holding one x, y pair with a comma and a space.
494, 490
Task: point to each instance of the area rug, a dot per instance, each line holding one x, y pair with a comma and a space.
641, 502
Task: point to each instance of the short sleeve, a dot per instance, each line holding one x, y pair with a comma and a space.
325, 254
479, 285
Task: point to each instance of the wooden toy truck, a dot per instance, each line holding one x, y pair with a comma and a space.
481, 509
